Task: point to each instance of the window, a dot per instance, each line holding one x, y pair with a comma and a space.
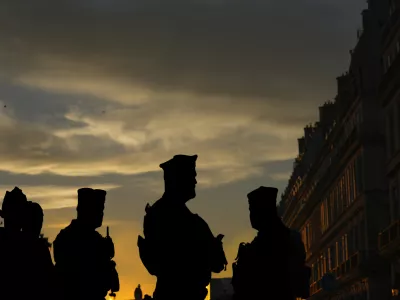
322, 266
346, 187
334, 255
362, 235
395, 203
345, 248
339, 198
332, 206
359, 174
391, 137
340, 251
351, 182
323, 222
350, 242
356, 234
307, 236
329, 259
314, 272
332, 259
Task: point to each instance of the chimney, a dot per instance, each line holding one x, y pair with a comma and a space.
302, 145
344, 86
327, 113
367, 19
308, 131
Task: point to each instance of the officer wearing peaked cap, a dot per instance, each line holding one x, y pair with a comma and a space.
12, 250
265, 265
83, 257
180, 162
12, 211
176, 240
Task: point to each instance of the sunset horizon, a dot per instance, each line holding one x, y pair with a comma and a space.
98, 94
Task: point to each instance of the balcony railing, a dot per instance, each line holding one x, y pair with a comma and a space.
343, 269
389, 235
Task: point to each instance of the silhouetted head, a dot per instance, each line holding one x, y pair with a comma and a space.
13, 209
33, 221
262, 205
91, 207
180, 177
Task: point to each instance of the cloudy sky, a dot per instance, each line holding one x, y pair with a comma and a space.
99, 92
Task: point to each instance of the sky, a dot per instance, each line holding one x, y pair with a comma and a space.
98, 93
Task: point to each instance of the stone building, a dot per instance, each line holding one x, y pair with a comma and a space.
337, 195
389, 96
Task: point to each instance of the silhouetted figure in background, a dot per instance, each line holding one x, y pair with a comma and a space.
12, 260
179, 245
138, 293
272, 265
39, 266
82, 256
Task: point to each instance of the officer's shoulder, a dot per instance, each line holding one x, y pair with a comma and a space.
64, 234
200, 221
97, 234
156, 211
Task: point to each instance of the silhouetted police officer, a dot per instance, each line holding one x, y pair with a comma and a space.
13, 283
269, 265
82, 256
178, 244
39, 265
138, 293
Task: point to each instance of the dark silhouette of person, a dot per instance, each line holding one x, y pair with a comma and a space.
83, 258
270, 263
39, 265
177, 244
138, 293
13, 262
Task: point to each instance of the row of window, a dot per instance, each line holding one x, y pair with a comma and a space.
390, 57
343, 193
339, 252
307, 236
391, 136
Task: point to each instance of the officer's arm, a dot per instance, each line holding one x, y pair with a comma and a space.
216, 249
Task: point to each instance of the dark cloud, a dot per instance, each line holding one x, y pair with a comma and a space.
273, 49
233, 81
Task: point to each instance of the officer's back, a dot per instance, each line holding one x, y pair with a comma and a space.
262, 266
79, 252
39, 265
178, 243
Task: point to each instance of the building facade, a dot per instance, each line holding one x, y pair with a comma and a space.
337, 195
389, 96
